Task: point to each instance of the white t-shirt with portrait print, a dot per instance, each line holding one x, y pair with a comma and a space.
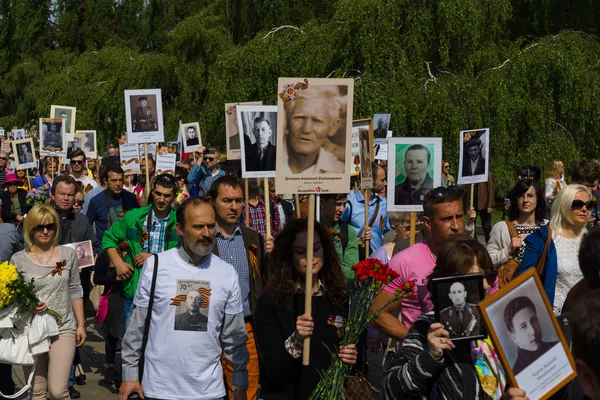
183, 353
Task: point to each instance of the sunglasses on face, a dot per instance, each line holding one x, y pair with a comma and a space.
41, 228
446, 166
179, 178
3, 158
78, 162
209, 158
80, 203
577, 205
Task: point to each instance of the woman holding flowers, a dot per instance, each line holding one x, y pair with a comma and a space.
56, 277
281, 324
429, 365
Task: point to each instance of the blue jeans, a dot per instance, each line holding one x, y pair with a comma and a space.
72, 376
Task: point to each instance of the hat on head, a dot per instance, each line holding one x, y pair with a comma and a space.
472, 142
142, 98
12, 178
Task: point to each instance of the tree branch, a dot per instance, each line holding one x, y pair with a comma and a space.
274, 30
431, 77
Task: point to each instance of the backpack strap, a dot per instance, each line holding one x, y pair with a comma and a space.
350, 214
148, 318
344, 233
542, 263
511, 229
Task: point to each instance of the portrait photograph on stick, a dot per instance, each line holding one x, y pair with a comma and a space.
355, 148
474, 150
53, 141
19, 134
366, 171
85, 254
258, 125
527, 337
68, 114
89, 143
381, 125
455, 303
75, 144
414, 169
232, 130
191, 136
25, 153
314, 135
143, 111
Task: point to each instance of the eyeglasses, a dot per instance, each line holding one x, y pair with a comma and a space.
3, 158
12, 184
179, 178
77, 161
209, 158
440, 191
404, 228
80, 203
41, 228
446, 167
577, 205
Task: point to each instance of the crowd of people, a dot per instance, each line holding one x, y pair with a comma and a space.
207, 303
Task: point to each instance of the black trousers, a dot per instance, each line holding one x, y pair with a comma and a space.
7, 386
486, 223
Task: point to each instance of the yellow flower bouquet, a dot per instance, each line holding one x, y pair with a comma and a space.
14, 291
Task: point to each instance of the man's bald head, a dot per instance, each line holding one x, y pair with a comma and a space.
458, 294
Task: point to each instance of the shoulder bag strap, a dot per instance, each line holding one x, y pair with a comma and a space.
542, 263
511, 229
148, 317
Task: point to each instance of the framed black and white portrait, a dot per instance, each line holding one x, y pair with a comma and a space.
527, 337
232, 130
85, 253
68, 114
53, 141
381, 124
143, 111
191, 136
24, 152
455, 301
75, 144
19, 134
366, 158
89, 143
258, 126
314, 135
474, 150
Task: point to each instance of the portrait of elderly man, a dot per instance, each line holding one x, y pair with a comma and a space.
461, 319
312, 119
192, 319
473, 161
418, 182
525, 330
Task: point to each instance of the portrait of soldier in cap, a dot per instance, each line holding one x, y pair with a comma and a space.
144, 119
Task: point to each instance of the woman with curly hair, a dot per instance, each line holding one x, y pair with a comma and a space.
281, 323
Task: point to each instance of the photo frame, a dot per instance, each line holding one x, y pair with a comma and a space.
424, 157
319, 162
19, 134
53, 141
258, 127
527, 337
85, 253
474, 156
455, 297
232, 131
144, 115
355, 151
175, 148
366, 157
191, 137
76, 143
69, 114
381, 125
90, 147
24, 155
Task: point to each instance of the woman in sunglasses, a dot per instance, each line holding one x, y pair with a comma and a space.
447, 179
14, 200
570, 212
79, 198
429, 365
57, 285
526, 216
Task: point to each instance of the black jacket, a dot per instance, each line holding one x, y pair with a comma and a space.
7, 214
76, 228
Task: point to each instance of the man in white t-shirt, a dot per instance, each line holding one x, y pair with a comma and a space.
79, 172
182, 356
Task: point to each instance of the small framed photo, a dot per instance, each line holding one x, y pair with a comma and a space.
53, 141
19, 134
191, 137
232, 130
455, 301
366, 157
24, 152
89, 143
143, 111
414, 169
175, 148
258, 127
75, 144
527, 337
85, 253
68, 114
381, 124
474, 150
355, 148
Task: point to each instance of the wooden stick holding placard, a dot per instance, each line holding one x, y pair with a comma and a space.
413, 227
308, 283
267, 208
367, 194
247, 196
298, 213
471, 197
147, 186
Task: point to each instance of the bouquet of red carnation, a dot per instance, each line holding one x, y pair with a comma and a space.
371, 276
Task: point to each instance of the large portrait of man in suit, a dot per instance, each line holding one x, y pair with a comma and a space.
418, 182
258, 125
